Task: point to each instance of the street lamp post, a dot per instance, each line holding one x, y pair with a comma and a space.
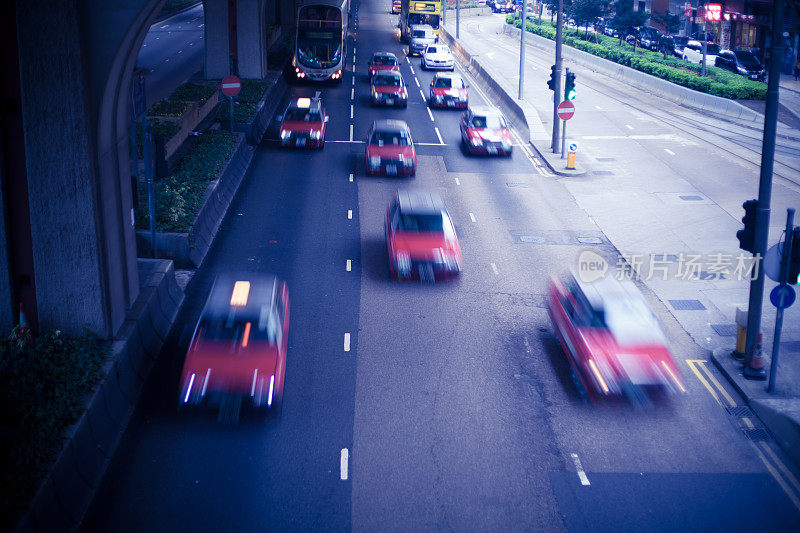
522, 49
458, 19
557, 84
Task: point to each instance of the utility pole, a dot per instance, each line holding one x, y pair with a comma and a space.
557, 89
705, 46
522, 49
458, 19
753, 364
786, 256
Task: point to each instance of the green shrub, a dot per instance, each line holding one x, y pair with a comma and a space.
164, 128
193, 92
43, 382
169, 108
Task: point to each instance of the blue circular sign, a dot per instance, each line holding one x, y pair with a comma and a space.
573, 147
782, 296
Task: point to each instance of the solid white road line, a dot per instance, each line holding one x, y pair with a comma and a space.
346, 342
349, 265
494, 269
351, 133
351, 111
349, 214
598, 108
670, 152
457, 181
472, 217
430, 114
629, 126
351, 177
344, 459
579, 468
439, 135
428, 144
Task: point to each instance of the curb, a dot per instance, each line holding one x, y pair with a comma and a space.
66, 493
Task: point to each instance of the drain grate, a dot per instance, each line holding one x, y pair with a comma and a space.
589, 240
518, 185
692, 198
605, 158
741, 411
724, 330
757, 434
602, 172
532, 240
688, 305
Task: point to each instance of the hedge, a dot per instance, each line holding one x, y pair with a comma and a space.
43, 382
717, 81
246, 101
180, 195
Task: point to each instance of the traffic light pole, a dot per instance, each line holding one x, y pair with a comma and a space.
753, 365
557, 84
786, 255
522, 49
458, 19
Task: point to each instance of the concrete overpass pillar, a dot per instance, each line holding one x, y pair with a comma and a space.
251, 38
217, 39
235, 31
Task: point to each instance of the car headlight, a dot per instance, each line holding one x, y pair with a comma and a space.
462, 97
403, 95
742, 70
315, 134
285, 134
403, 262
439, 98
375, 161
506, 143
374, 94
477, 141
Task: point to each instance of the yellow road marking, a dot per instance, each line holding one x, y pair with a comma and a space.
786, 472
691, 363
777, 477
748, 422
731, 401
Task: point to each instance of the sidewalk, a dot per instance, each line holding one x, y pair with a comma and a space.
655, 190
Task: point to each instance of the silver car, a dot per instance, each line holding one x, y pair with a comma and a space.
422, 35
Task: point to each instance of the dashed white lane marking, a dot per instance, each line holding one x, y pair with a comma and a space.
349, 265
354, 67
351, 111
458, 182
351, 178
598, 108
416, 80
422, 94
579, 468
411, 67
430, 114
472, 217
439, 135
346, 342
670, 152
629, 126
349, 214
429, 144
353, 79
351, 132
352, 93
344, 459
494, 269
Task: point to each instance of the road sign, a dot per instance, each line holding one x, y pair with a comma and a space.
782, 296
573, 147
231, 85
688, 8
565, 110
772, 262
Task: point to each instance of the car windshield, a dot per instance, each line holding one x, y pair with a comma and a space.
241, 330
433, 223
384, 60
419, 33
488, 121
392, 81
303, 115
748, 60
711, 49
631, 321
431, 50
443, 82
391, 138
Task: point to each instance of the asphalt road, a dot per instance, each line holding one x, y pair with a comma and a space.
453, 402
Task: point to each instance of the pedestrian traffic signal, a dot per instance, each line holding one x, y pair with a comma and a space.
569, 87
551, 83
794, 260
747, 236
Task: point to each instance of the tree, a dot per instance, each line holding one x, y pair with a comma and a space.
553, 6
627, 21
671, 22
585, 12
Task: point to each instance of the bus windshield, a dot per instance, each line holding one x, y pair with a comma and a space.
319, 36
424, 18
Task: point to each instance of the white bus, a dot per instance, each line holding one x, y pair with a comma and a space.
322, 27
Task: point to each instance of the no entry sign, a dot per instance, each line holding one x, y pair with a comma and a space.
565, 110
231, 85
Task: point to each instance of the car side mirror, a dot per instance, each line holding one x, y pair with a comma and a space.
327, 118
279, 118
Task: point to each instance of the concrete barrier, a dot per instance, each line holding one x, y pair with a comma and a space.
266, 109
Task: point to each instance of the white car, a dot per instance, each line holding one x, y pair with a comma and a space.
438, 56
693, 53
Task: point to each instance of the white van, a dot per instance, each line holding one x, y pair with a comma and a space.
421, 36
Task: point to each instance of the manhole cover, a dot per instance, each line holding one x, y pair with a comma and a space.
688, 305
519, 185
724, 330
531, 239
590, 240
741, 411
605, 159
602, 172
692, 198
757, 434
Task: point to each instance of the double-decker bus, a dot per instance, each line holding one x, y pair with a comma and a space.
419, 12
322, 27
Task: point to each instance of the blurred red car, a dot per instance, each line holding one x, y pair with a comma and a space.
448, 90
303, 124
420, 237
383, 61
239, 344
388, 88
484, 131
614, 344
390, 149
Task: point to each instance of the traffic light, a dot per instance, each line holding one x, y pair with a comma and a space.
569, 87
747, 236
794, 260
551, 83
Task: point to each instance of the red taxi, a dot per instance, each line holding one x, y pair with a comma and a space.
614, 344
484, 131
448, 90
420, 237
388, 88
303, 124
390, 149
238, 349
382, 61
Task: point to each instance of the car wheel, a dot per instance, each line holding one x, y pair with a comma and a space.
405, 105
413, 171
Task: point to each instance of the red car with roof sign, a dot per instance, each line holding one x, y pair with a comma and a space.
390, 149
484, 131
303, 124
381, 61
388, 88
420, 237
448, 90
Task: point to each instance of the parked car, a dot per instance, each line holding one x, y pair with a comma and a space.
648, 38
448, 90
422, 35
303, 124
388, 88
421, 240
484, 131
693, 52
390, 149
678, 44
741, 62
238, 349
438, 56
382, 61
501, 7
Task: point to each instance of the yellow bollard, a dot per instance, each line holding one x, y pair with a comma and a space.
741, 333
571, 156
